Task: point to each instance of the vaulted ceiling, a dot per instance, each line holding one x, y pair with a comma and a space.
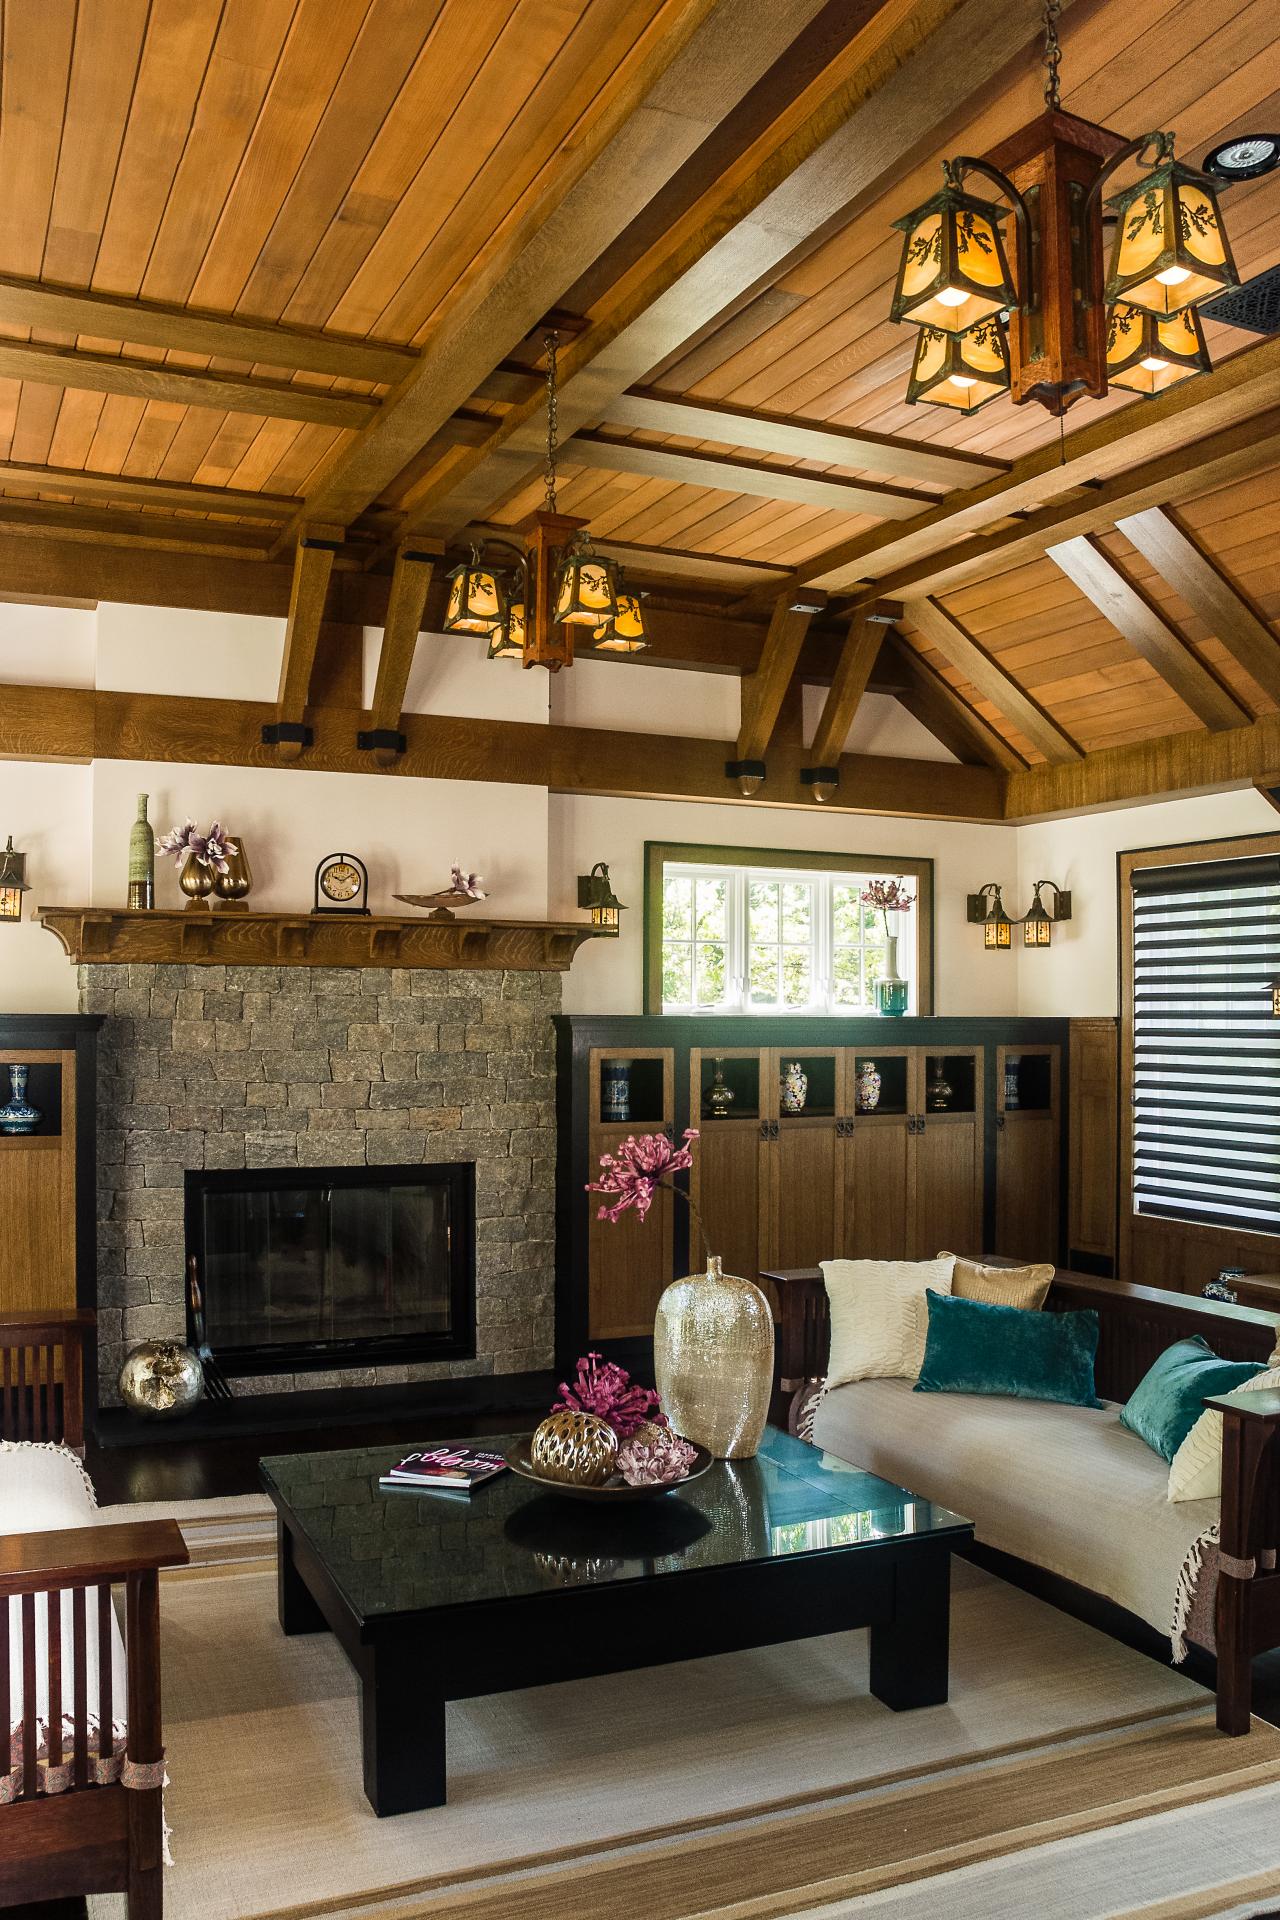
273, 281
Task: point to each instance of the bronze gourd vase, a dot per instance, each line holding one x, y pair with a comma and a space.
196, 881
231, 887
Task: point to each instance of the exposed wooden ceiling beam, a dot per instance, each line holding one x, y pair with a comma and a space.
406, 604
1234, 454
65, 723
934, 702
731, 475
1194, 762
146, 380
1103, 448
654, 112
126, 490
1133, 616
1229, 615
993, 683
912, 65
852, 676
312, 565
802, 439
27, 303
763, 691
158, 533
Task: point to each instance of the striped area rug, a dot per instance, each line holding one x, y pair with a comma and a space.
1068, 1778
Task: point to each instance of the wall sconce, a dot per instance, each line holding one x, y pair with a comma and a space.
13, 882
749, 775
986, 909
821, 781
596, 892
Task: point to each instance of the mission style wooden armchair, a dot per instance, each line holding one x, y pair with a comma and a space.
80, 1810
1136, 1325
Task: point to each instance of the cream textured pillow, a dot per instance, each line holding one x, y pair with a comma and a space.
1025, 1287
1195, 1472
879, 1316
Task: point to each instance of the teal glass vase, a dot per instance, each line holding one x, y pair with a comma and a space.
891, 990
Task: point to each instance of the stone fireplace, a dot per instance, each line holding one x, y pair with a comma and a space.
212, 1069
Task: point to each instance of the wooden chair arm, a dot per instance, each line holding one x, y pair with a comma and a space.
31, 1405
88, 1556
1264, 1407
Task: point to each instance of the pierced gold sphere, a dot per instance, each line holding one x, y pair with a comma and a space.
575, 1448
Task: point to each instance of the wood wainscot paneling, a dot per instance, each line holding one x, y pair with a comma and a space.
1093, 1077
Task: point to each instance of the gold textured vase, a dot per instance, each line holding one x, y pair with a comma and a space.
231, 887
196, 881
713, 1360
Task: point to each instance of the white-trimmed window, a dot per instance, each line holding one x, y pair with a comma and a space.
772, 939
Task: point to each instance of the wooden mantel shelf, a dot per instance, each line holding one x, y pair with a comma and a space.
111, 935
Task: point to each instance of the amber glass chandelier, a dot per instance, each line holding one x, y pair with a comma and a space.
1012, 295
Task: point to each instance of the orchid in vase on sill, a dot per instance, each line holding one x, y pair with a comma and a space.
890, 896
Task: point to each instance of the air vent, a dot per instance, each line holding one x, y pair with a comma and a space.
1255, 306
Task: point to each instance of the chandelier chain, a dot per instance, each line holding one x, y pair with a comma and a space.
552, 341
1052, 55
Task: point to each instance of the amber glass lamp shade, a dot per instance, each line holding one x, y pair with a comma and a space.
1146, 354
587, 593
953, 271
1170, 248
477, 598
997, 933
507, 641
13, 882
964, 371
596, 892
625, 632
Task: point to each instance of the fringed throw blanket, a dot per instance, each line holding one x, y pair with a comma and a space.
1194, 1602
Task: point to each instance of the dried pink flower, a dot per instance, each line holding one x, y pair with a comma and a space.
636, 1170
657, 1462
608, 1391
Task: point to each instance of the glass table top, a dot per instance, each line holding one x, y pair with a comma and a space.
397, 1552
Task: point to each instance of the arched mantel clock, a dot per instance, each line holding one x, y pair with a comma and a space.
342, 884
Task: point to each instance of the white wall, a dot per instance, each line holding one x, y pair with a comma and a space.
46, 809
211, 656
47, 646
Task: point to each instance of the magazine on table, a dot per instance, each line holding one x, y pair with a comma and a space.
444, 1469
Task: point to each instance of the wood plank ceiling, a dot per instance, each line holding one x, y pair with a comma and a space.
278, 268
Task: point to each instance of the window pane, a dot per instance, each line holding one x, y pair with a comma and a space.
677, 909
873, 925
764, 976
764, 911
677, 976
876, 961
846, 910
797, 911
710, 975
710, 921
847, 972
796, 976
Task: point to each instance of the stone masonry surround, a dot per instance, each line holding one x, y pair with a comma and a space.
213, 1066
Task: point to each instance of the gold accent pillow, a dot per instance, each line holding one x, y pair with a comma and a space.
1026, 1287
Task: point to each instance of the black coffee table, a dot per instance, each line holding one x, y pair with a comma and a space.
437, 1598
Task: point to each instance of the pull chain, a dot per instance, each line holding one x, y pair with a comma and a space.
1052, 55
552, 341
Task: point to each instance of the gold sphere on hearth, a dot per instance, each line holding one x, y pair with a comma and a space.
575, 1448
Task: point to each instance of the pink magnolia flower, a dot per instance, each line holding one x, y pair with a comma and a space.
657, 1460
633, 1174
608, 1391
209, 849
466, 884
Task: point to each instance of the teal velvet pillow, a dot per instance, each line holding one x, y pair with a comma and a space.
1170, 1397
976, 1347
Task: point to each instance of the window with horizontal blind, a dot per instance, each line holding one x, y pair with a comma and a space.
1206, 1043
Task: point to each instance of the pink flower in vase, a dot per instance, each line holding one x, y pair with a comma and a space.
633, 1174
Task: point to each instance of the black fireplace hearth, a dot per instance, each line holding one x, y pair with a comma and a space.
297, 1269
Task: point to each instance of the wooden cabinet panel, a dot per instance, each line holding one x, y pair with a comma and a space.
1027, 1147
726, 1191
947, 1153
877, 1190
39, 1263
630, 1264
801, 1164
1093, 1143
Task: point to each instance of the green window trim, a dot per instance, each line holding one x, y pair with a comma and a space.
918, 927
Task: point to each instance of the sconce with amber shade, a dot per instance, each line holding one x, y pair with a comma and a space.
1170, 248
961, 370
1147, 355
13, 882
596, 891
986, 908
953, 270
1038, 923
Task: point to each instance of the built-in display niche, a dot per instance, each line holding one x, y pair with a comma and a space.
1028, 1083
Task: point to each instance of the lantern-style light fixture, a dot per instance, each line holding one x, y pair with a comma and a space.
1038, 923
1170, 248
477, 597
986, 908
1146, 354
596, 891
13, 882
624, 633
953, 270
586, 592
507, 640
961, 370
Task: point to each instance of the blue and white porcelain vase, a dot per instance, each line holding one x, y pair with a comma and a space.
19, 1116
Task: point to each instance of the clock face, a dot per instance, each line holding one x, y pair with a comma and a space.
341, 881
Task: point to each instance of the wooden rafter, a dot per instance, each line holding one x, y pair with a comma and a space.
1130, 612
765, 690
857, 658
802, 439
1228, 614
146, 323
144, 380
993, 683
129, 490
735, 475
406, 604
869, 107
312, 565
1199, 761
68, 723
934, 702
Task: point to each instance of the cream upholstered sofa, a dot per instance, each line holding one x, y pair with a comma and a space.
1066, 1488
